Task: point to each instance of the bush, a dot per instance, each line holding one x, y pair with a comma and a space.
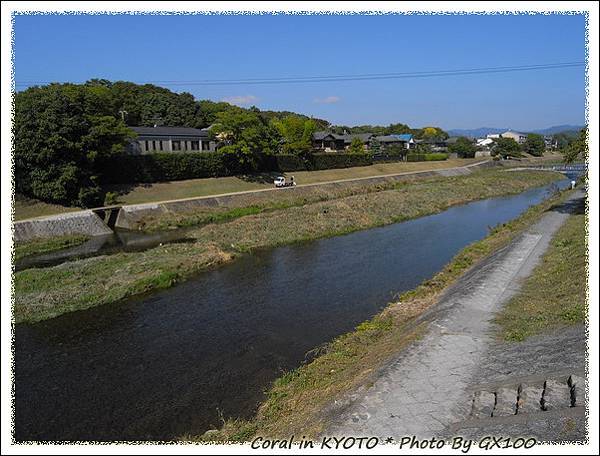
390, 153
111, 199
436, 156
90, 197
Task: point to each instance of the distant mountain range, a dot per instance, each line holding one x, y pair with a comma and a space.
483, 131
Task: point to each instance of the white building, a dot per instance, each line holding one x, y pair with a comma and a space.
485, 142
518, 137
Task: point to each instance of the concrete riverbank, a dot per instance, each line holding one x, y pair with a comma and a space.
434, 387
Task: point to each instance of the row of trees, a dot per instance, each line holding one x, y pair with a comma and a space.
65, 134
504, 147
393, 129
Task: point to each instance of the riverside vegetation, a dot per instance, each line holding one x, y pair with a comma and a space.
555, 293
305, 398
48, 292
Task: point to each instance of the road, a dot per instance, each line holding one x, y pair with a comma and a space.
431, 386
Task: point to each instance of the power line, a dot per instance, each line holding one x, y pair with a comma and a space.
355, 77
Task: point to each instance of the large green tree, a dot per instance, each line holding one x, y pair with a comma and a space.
578, 149
296, 134
247, 137
506, 147
534, 145
463, 147
63, 132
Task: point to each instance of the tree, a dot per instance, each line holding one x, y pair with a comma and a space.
63, 132
463, 147
578, 149
357, 146
506, 147
296, 133
565, 138
534, 145
430, 133
247, 137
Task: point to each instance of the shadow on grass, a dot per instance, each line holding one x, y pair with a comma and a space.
574, 207
261, 178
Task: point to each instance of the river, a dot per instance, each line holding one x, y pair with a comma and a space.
173, 363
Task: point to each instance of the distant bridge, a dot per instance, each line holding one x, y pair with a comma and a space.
563, 168
574, 169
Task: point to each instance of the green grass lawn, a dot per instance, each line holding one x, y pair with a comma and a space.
28, 208
46, 245
555, 294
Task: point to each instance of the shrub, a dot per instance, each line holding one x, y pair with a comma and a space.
390, 153
437, 156
111, 198
90, 197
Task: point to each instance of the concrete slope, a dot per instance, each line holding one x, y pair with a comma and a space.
428, 387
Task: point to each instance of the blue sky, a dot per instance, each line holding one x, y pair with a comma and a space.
190, 48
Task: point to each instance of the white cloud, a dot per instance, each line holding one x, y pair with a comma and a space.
328, 100
241, 99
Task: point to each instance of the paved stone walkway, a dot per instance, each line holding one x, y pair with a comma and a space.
427, 388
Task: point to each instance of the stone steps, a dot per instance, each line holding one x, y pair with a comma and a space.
529, 396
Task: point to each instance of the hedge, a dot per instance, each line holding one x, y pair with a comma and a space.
158, 167
426, 157
340, 160
290, 162
165, 166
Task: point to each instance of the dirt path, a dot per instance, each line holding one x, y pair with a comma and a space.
429, 387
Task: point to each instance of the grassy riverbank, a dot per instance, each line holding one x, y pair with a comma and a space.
555, 293
49, 292
302, 401
47, 245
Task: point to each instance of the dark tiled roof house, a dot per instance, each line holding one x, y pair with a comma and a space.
171, 139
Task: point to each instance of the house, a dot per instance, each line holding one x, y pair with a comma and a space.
405, 140
550, 142
518, 137
171, 139
435, 144
332, 142
329, 142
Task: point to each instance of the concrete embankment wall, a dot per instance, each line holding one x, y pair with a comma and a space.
130, 217
81, 222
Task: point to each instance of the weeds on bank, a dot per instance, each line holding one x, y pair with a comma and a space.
555, 293
46, 245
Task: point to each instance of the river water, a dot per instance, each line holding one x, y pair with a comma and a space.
173, 363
